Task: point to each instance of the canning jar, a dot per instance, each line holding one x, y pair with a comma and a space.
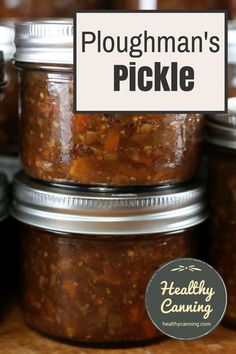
9, 144
87, 256
45, 8
232, 58
111, 149
221, 135
167, 4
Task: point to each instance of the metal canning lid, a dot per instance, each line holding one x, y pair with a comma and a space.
7, 34
232, 42
3, 197
221, 128
44, 41
73, 210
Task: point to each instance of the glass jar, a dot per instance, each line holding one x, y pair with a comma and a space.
9, 144
112, 149
167, 4
232, 59
221, 135
87, 256
45, 8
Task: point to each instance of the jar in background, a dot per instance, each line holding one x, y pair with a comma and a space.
47, 8
167, 4
9, 143
5, 251
231, 6
96, 251
95, 149
9, 249
221, 135
232, 58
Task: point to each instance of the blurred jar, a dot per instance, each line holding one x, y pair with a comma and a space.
167, 4
47, 8
221, 136
232, 59
5, 255
9, 160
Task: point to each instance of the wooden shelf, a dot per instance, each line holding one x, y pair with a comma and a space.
17, 338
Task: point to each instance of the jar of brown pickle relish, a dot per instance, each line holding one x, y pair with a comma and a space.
168, 4
47, 8
9, 147
87, 256
94, 149
221, 135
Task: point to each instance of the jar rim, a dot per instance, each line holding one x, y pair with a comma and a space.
44, 41
73, 210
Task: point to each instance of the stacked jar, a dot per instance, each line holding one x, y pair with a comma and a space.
221, 137
105, 199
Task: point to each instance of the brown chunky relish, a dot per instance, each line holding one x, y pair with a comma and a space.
100, 281
114, 149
